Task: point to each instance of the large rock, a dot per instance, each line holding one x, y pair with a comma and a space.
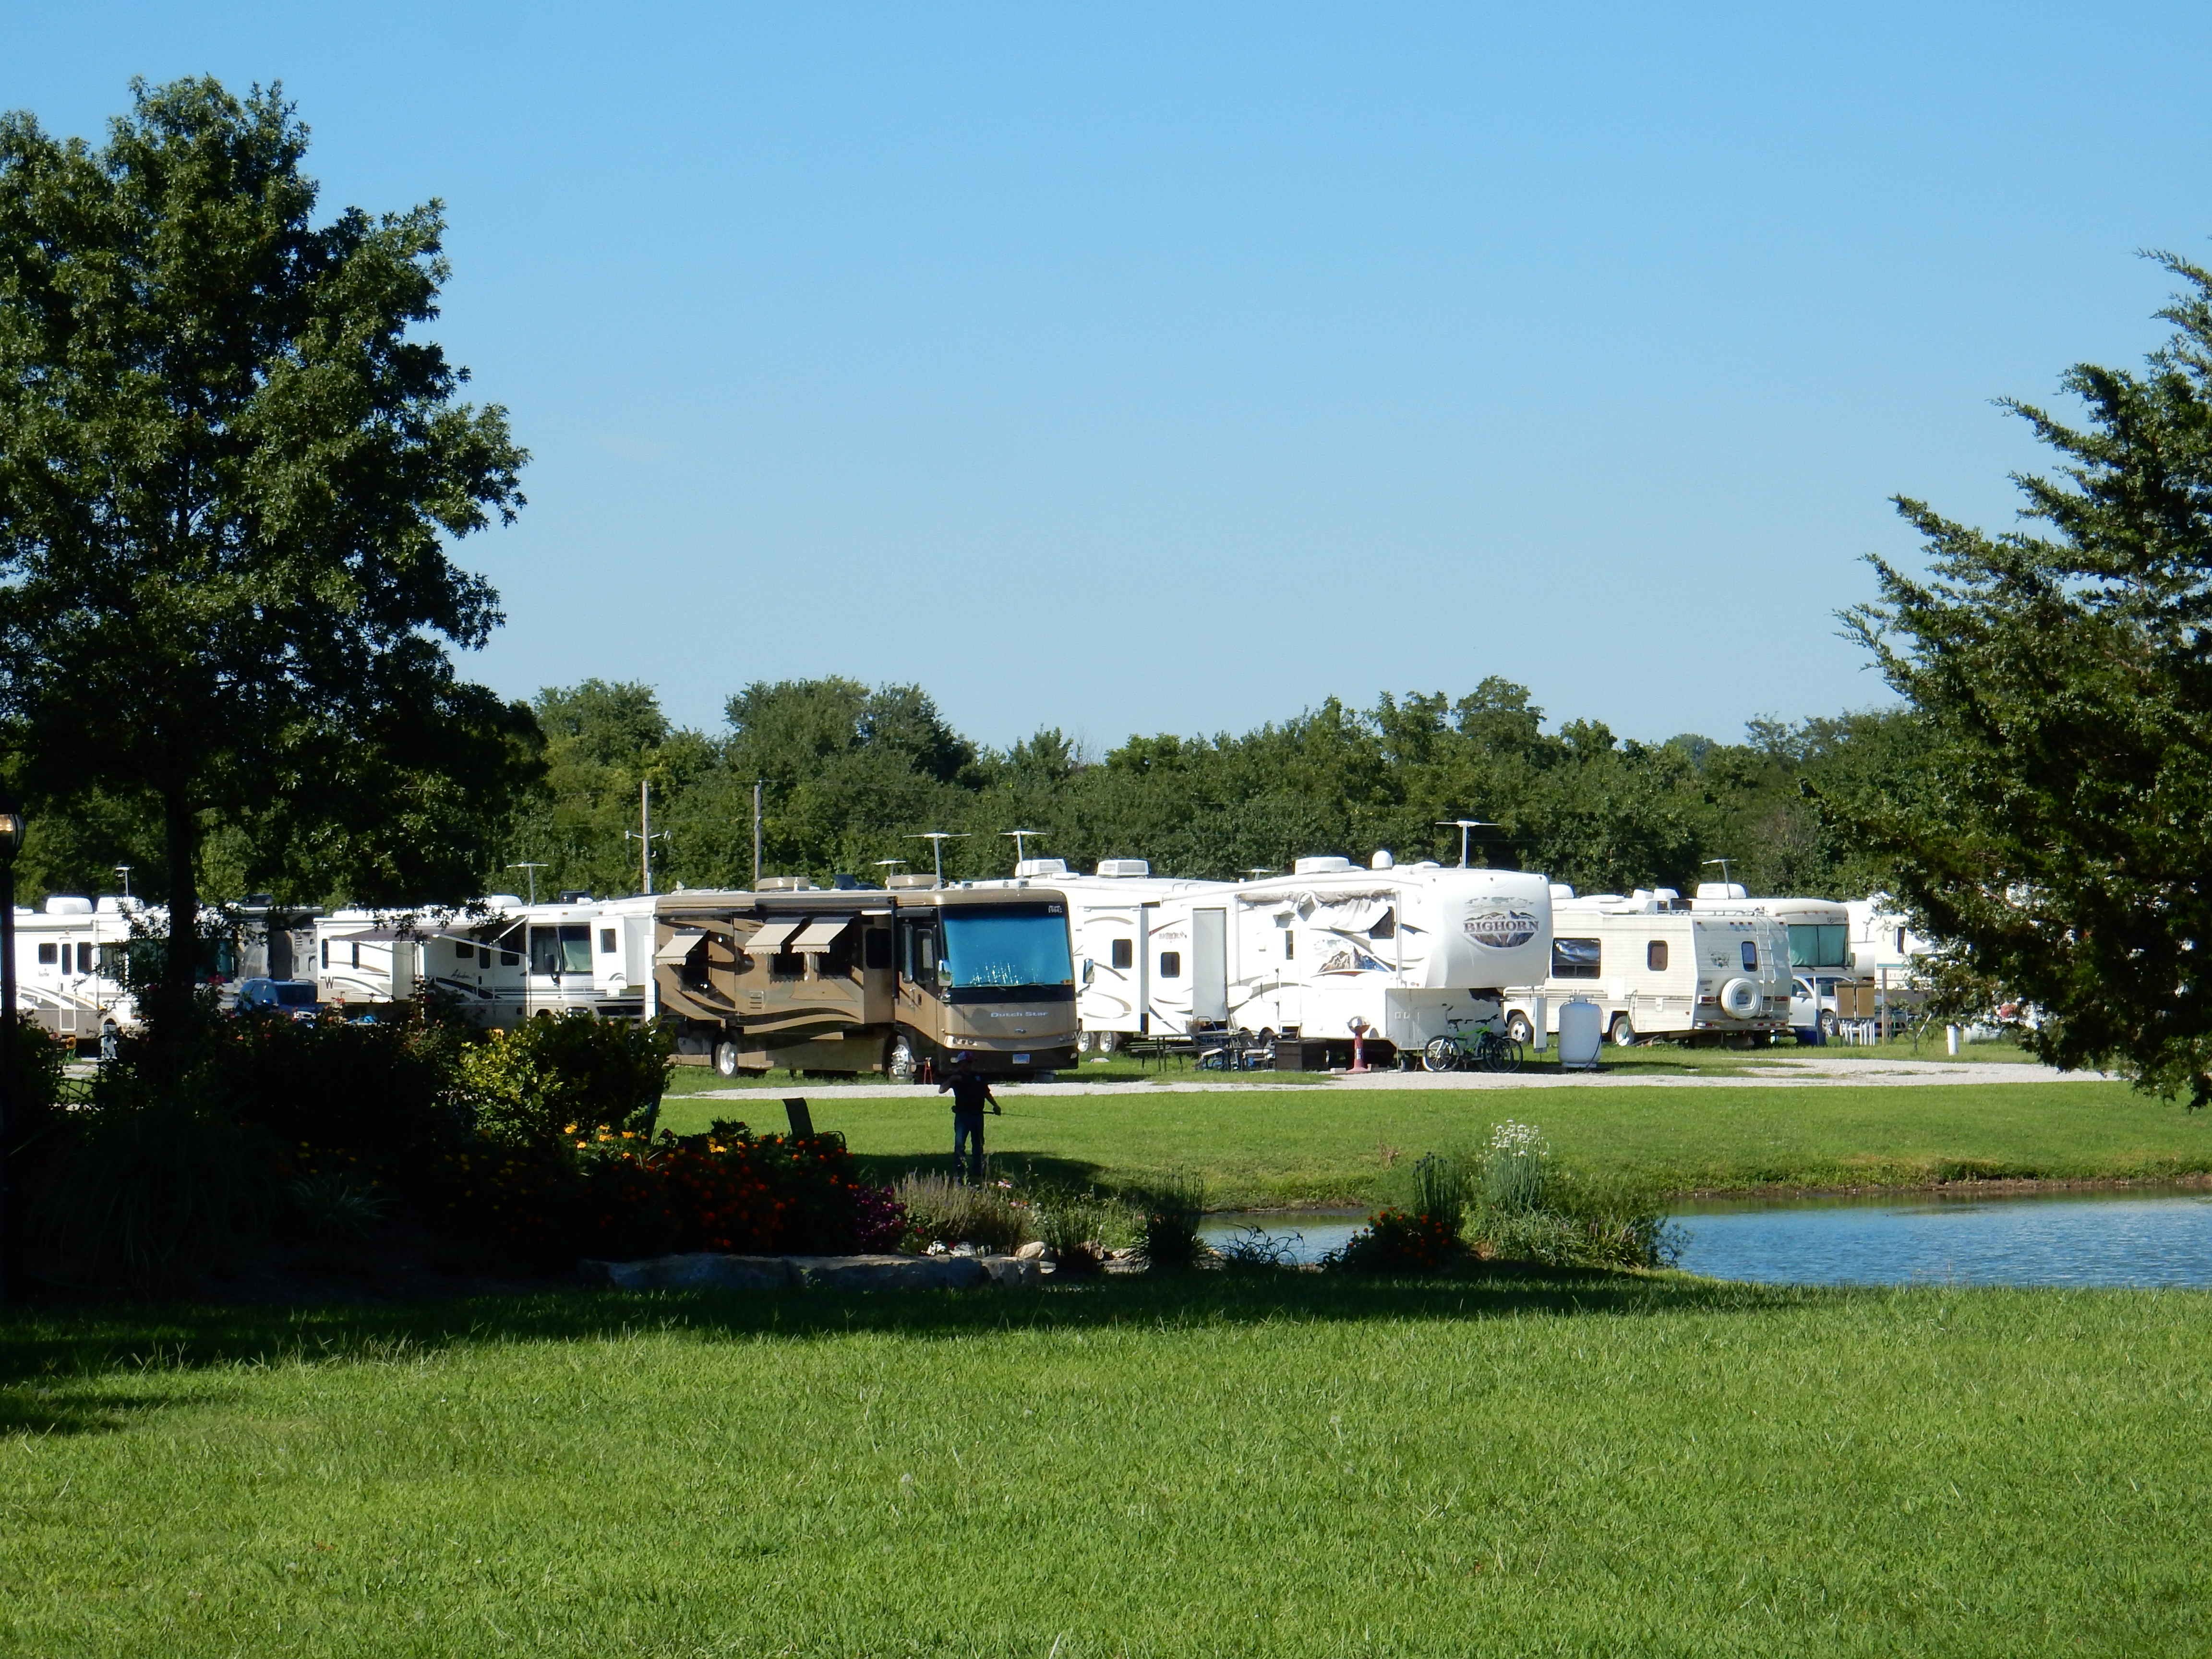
703, 1271
892, 1273
1015, 1273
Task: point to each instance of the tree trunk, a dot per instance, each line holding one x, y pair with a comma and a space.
171, 1014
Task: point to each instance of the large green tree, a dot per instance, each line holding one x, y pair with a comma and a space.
2057, 832
228, 482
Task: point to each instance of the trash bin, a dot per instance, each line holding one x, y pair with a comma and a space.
1581, 1033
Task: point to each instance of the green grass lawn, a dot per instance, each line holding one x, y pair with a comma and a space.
1283, 1466
1258, 1148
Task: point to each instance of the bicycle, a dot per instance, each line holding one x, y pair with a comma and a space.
1481, 1050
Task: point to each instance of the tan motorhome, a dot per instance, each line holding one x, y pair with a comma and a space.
843, 980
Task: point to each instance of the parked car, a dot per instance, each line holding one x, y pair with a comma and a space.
292, 999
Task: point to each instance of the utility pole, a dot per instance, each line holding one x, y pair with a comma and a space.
643, 835
532, 869
756, 829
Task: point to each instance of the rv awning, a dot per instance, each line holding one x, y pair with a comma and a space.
773, 934
372, 936
679, 946
820, 931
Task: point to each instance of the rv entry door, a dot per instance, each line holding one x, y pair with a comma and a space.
1209, 964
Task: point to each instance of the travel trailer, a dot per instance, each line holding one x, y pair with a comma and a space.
897, 980
1656, 967
498, 962
1113, 916
69, 961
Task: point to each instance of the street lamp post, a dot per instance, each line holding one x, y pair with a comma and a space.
11, 842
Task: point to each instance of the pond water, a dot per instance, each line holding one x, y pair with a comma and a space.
2136, 1238
2133, 1238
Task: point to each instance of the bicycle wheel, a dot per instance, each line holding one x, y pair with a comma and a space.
1498, 1054
1442, 1054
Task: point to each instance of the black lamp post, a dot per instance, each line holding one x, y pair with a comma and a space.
11, 842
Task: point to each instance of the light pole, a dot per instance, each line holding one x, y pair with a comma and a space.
532, 869
937, 838
1464, 825
643, 835
11, 842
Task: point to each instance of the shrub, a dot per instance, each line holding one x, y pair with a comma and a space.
1080, 1227
943, 1210
1399, 1241
551, 1077
1172, 1213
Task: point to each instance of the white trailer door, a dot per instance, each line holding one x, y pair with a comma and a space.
1209, 964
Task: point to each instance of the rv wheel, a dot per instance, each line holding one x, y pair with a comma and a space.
899, 1063
725, 1057
1518, 1028
1624, 1032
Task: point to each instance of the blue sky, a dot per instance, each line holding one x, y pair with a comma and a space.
1174, 367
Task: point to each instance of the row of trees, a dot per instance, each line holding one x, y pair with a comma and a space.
850, 775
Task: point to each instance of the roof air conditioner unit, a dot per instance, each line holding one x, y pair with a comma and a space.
1124, 867
787, 885
1320, 866
1041, 867
907, 882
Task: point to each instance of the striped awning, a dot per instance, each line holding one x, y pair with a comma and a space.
820, 933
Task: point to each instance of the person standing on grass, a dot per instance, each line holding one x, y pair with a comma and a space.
971, 1092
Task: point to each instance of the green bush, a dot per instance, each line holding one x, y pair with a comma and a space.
553, 1080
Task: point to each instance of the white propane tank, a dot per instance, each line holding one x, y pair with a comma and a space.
1581, 1032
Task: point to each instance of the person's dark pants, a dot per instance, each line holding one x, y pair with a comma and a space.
966, 1132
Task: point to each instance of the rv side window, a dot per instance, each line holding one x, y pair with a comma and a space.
84, 957
464, 953
111, 962
356, 954
1655, 956
48, 955
1386, 928
878, 948
545, 950
1124, 953
1900, 941
1170, 964
1289, 944
326, 953
1750, 957
1575, 958
510, 958
606, 941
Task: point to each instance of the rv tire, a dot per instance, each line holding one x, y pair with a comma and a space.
1518, 1028
899, 1060
1624, 1032
725, 1057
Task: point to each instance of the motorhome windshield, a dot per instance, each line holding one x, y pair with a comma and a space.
1820, 945
1007, 944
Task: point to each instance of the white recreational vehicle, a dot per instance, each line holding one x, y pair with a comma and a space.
70, 960
1656, 967
1118, 920
1402, 950
499, 961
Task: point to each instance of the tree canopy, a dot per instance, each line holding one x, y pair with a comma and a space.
2059, 831
229, 477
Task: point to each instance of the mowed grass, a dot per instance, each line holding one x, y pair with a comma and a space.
1258, 1148
1286, 1467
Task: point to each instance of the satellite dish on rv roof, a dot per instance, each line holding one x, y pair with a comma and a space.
1382, 860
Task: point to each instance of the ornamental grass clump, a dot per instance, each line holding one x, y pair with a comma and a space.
940, 1209
1173, 1211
